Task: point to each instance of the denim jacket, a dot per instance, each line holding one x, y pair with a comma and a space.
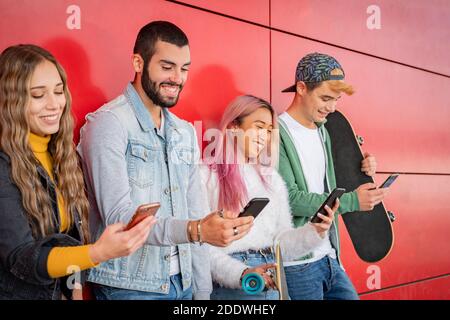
124, 166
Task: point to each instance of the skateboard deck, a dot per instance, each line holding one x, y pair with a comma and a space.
371, 232
280, 276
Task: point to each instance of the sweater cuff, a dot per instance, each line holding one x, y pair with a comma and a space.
42, 269
236, 274
349, 203
178, 231
313, 237
63, 261
227, 271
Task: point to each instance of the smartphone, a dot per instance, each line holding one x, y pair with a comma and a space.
142, 212
254, 207
390, 180
336, 193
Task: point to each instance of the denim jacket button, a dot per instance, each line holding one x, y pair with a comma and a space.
167, 191
167, 257
164, 287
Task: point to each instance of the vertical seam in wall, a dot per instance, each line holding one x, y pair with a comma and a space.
270, 51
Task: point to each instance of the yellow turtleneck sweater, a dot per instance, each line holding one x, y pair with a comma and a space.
60, 258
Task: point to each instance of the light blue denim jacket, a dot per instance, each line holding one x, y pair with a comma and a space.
123, 163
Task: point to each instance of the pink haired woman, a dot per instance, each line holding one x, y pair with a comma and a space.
241, 167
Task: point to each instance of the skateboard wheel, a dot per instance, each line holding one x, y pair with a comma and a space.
391, 216
253, 283
360, 140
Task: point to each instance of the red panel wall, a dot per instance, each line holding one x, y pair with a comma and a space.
412, 32
400, 109
421, 234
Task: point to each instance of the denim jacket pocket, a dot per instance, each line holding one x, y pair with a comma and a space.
140, 165
183, 159
185, 156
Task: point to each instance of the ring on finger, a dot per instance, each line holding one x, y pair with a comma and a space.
235, 231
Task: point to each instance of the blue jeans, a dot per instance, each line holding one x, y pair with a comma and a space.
251, 260
176, 292
319, 280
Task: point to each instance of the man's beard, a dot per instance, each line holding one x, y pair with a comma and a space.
150, 89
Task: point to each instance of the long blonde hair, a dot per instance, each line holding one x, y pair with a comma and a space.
17, 64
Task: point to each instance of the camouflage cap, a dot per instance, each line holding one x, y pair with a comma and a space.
316, 67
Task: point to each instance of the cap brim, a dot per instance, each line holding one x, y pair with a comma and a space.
290, 89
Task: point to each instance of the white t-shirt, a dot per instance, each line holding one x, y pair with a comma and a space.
311, 153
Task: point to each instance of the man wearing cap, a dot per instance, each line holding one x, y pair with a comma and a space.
306, 164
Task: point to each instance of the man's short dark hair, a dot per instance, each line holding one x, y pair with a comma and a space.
154, 31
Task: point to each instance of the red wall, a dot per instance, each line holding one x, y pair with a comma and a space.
401, 107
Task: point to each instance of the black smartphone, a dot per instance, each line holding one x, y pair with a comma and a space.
336, 193
254, 207
390, 180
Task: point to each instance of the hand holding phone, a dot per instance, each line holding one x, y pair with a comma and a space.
142, 212
336, 193
254, 207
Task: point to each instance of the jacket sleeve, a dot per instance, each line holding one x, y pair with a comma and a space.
294, 242
102, 147
302, 202
349, 202
20, 254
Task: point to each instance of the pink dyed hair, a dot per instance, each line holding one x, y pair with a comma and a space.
232, 189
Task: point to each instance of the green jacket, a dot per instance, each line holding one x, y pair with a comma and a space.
303, 203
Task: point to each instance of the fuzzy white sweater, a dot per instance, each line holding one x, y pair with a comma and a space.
273, 224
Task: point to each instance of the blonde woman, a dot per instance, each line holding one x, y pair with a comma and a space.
43, 208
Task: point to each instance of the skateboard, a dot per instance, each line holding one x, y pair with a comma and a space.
371, 232
253, 283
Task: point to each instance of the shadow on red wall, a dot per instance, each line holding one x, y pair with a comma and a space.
206, 95
85, 95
